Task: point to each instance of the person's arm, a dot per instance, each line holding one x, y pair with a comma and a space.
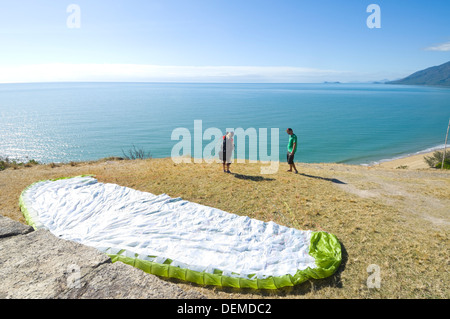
293, 148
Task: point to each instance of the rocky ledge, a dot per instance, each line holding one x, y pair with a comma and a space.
38, 265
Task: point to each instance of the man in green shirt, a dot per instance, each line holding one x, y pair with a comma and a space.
292, 148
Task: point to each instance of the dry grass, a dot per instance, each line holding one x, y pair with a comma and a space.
381, 216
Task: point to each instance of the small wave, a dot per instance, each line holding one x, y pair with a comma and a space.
425, 151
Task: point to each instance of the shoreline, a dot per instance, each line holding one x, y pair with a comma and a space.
412, 161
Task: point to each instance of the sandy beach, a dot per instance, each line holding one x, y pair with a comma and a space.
410, 162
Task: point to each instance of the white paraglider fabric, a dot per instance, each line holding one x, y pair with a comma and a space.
114, 219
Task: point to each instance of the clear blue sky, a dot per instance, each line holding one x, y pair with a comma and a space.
282, 40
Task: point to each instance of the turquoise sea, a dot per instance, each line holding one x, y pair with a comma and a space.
347, 123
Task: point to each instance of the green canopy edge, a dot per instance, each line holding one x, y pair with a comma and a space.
324, 247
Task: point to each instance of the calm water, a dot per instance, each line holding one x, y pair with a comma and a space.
351, 123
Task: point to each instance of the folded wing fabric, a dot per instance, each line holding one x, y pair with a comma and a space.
176, 238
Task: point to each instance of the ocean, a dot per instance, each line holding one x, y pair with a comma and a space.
343, 123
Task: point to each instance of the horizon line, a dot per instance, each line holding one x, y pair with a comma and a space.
195, 82
139, 73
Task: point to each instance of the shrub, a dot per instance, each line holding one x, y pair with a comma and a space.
5, 163
33, 162
135, 153
435, 160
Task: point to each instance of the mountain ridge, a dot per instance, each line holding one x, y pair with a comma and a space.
435, 76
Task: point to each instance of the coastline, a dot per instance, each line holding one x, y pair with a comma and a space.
405, 160
413, 161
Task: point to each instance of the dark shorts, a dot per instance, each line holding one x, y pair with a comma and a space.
290, 158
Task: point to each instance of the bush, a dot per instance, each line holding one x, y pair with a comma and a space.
135, 153
435, 160
446, 164
5, 163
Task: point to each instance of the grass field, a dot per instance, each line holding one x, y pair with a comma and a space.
396, 219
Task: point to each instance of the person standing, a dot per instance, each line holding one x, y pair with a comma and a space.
291, 149
226, 151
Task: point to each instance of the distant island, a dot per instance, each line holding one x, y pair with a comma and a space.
436, 75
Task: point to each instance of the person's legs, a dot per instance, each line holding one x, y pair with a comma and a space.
290, 158
293, 167
228, 167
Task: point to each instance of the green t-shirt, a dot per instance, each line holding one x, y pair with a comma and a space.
292, 140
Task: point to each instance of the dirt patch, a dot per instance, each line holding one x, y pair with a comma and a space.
421, 193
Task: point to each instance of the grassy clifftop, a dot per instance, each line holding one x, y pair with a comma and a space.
395, 219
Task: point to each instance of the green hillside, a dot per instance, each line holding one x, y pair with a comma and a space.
436, 75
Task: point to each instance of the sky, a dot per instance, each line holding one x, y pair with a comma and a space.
287, 41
